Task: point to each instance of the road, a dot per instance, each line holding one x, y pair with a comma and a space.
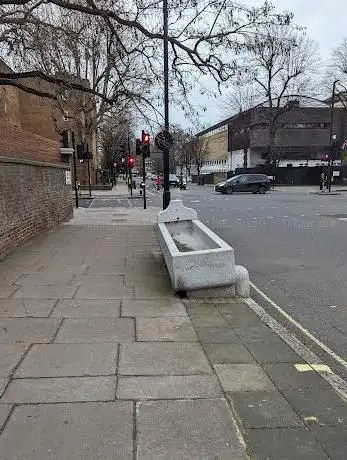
294, 246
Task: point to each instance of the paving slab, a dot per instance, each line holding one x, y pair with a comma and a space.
5, 409
201, 321
64, 360
3, 383
57, 390
156, 292
103, 291
27, 330
181, 430
286, 376
169, 387
261, 333
264, 409
165, 329
324, 404
146, 280
12, 308
80, 308
45, 292
163, 358
10, 355
16, 308
153, 308
224, 353
45, 279
240, 316
202, 309
270, 353
218, 334
6, 291
91, 330
332, 439
285, 444
243, 377
87, 431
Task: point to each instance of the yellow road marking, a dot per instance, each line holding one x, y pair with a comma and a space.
313, 367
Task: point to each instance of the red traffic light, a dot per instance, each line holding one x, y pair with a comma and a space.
146, 138
131, 162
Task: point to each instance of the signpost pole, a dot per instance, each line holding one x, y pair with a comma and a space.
166, 152
144, 181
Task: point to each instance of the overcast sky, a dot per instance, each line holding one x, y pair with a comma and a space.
325, 22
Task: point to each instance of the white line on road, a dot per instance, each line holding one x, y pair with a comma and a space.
269, 217
302, 215
302, 329
194, 201
302, 350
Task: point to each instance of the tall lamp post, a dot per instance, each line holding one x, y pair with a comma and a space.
331, 140
166, 153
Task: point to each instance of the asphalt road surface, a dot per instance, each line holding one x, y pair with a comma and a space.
294, 246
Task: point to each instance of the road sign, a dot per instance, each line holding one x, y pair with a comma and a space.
68, 180
163, 140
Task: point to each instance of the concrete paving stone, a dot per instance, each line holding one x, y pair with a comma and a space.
332, 439
273, 353
232, 308
227, 353
12, 308
185, 430
106, 269
99, 280
285, 444
324, 404
165, 329
69, 360
45, 292
169, 387
16, 308
10, 355
92, 330
27, 330
153, 308
44, 279
218, 334
201, 321
163, 358
148, 281
7, 290
249, 334
3, 383
87, 308
76, 431
262, 409
285, 376
67, 270
5, 409
243, 377
202, 309
57, 390
103, 290
157, 292
243, 319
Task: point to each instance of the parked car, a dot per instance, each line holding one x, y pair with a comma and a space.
173, 179
255, 183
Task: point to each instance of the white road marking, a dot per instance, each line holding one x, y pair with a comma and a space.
194, 201
302, 215
302, 329
302, 350
317, 214
285, 217
254, 218
223, 209
273, 207
344, 219
269, 217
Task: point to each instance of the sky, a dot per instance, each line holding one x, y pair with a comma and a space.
325, 23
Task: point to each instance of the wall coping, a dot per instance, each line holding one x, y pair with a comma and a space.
26, 161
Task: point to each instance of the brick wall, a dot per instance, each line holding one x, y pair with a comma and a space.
15, 142
33, 198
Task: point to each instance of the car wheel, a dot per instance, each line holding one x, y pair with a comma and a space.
262, 189
229, 191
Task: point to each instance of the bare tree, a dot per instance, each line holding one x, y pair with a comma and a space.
115, 135
339, 59
199, 152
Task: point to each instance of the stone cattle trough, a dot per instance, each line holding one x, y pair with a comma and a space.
198, 260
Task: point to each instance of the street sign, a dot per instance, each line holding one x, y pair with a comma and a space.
163, 140
68, 180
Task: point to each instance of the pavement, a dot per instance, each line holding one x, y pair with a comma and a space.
99, 359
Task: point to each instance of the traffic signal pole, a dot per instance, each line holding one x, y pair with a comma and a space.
166, 153
144, 181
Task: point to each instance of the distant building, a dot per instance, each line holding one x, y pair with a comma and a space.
302, 137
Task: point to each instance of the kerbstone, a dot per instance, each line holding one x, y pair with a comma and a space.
87, 308
169, 387
176, 329
76, 431
27, 330
185, 430
153, 308
163, 358
96, 330
61, 360
243, 377
10, 355
50, 390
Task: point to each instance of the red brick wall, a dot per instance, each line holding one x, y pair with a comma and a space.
17, 143
33, 198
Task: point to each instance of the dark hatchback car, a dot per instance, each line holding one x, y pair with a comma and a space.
255, 183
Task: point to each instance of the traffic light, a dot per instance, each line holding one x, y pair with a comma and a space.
146, 138
131, 162
138, 146
146, 141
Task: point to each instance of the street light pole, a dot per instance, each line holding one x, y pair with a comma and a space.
331, 143
166, 153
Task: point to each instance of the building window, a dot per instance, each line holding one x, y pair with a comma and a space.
66, 116
305, 125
